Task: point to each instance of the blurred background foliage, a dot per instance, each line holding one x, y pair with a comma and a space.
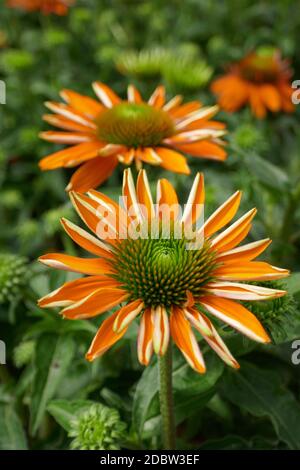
48, 392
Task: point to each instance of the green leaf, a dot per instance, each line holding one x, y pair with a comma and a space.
52, 359
266, 172
262, 393
191, 391
12, 436
64, 411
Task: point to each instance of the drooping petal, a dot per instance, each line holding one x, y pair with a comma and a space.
236, 316
161, 330
241, 291
75, 264
270, 97
105, 338
86, 240
211, 336
127, 314
73, 291
145, 337
185, 340
257, 106
95, 303
105, 94
223, 215
92, 174
250, 271
172, 160
87, 210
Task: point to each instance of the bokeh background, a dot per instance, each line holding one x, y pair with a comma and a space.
46, 381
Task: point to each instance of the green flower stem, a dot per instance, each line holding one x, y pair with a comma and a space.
166, 399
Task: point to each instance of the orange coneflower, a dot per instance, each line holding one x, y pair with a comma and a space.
156, 277
59, 7
261, 79
115, 131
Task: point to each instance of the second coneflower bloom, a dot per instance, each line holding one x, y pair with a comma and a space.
103, 134
261, 79
58, 7
157, 276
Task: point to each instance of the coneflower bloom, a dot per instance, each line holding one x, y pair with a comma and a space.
156, 278
103, 134
261, 79
58, 7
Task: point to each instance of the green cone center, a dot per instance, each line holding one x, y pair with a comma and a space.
134, 125
160, 271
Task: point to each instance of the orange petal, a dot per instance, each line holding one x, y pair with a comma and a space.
185, 109
64, 123
71, 156
147, 155
144, 195
257, 106
233, 231
87, 210
157, 99
211, 336
73, 291
105, 94
223, 215
145, 338
246, 252
205, 149
236, 316
242, 291
83, 104
95, 303
129, 197
105, 338
86, 240
70, 113
127, 314
171, 160
185, 340
70, 138
167, 201
250, 271
161, 330
75, 264
195, 203
270, 97
92, 174
133, 95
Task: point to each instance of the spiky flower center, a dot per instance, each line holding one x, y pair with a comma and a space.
134, 125
161, 271
263, 66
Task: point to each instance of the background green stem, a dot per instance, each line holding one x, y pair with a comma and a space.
166, 399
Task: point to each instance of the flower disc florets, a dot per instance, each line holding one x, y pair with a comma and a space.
160, 271
134, 125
